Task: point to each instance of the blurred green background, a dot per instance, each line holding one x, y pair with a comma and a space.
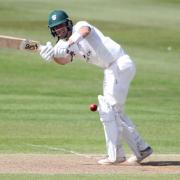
46, 105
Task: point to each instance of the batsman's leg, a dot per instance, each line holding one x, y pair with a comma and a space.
118, 92
134, 140
112, 133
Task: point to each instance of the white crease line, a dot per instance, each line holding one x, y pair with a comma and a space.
62, 149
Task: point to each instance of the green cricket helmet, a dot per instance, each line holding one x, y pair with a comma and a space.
58, 17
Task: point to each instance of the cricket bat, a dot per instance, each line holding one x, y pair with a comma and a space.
19, 43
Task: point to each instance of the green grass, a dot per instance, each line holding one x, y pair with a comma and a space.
88, 177
47, 105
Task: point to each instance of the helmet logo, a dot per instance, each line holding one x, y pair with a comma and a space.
53, 17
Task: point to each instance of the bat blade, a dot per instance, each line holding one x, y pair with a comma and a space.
18, 43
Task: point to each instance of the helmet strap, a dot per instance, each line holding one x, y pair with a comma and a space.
69, 25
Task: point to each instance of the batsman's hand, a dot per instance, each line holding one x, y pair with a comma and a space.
47, 52
61, 49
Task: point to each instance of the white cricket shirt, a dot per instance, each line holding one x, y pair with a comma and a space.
96, 48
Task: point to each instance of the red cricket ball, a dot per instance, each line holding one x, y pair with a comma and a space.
93, 107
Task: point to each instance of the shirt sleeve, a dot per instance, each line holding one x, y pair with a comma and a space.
81, 24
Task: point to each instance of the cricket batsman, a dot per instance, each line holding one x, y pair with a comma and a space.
85, 41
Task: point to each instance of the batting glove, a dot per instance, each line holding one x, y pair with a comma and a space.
47, 52
61, 49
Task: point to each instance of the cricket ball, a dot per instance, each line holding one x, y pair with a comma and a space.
93, 107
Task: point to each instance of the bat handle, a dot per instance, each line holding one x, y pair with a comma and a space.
40, 47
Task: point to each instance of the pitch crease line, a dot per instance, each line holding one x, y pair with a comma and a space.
60, 149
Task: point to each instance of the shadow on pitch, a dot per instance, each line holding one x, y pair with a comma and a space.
161, 163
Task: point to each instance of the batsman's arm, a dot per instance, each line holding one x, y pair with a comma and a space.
71, 43
64, 60
79, 35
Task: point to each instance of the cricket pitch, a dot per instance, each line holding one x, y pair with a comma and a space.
73, 164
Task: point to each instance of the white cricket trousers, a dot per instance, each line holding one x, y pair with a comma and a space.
117, 79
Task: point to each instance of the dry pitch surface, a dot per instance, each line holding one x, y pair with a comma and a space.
86, 164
